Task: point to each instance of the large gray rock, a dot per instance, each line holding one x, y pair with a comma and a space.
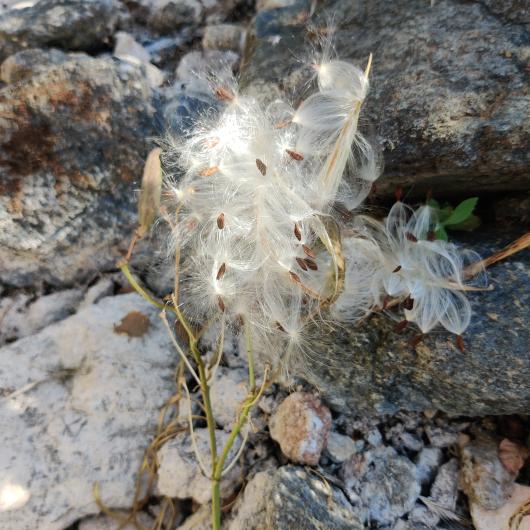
68, 24
72, 143
374, 369
79, 404
289, 498
449, 99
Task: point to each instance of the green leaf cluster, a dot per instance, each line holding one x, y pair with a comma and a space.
460, 217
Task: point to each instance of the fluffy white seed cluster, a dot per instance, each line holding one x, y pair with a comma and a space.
253, 217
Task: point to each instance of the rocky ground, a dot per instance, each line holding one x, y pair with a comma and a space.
386, 436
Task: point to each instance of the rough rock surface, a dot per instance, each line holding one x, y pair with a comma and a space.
449, 99
381, 484
376, 369
19, 317
290, 498
228, 391
68, 24
179, 473
72, 143
79, 404
483, 478
301, 425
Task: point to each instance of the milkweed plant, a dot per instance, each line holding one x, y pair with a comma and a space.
253, 195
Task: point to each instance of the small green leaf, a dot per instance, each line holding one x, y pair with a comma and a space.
433, 203
471, 223
462, 212
440, 233
444, 213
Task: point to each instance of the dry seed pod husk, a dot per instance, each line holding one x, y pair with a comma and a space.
149, 202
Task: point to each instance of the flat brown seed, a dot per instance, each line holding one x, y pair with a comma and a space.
221, 304
400, 326
282, 124
294, 155
411, 237
224, 94
221, 271
398, 193
408, 303
311, 264
460, 343
397, 269
431, 236
261, 166
301, 262
294, 277
417, 339
309, 252
221, 221
297, 232
209, 171
280, 327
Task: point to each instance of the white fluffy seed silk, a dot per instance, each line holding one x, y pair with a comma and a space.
250, 194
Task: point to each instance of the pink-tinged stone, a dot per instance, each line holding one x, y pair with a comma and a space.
301, 425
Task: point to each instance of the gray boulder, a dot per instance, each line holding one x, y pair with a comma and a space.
449, 98
373, 369
72, 143
289, 498
68, 24
79, 404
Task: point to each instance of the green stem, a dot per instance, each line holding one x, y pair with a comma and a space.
136, 286
250, 356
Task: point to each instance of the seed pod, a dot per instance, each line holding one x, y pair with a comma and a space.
149, 201
221, 271
209, 171
311, 264
261, 166
301, 262
221, 221
308, 251
224, 94
295, 155
297, 232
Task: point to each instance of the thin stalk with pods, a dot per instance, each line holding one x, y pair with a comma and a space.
252, 195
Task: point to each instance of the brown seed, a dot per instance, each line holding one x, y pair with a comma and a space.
386, 300
211, 142
294, 155
294, 277
282, 124
309, 252
280, 327
261, 166
301, 262
297, 232
398, 193
221, 221
460, 343
397, 269
311, 264
224, 94
408, 303
431, 235
417, 339
221, 271
221, 304
209, 171
400, 326
411, 237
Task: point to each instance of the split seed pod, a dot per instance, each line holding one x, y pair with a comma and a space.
149, 201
